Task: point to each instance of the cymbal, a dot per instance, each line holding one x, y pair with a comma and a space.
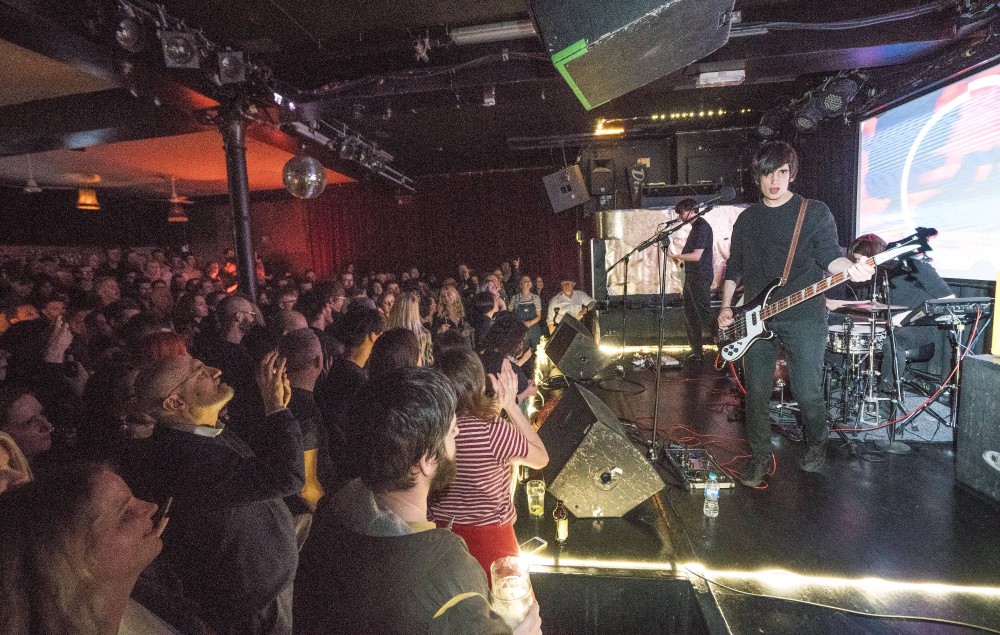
870, 307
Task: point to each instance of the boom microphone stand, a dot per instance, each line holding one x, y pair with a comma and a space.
891, 445
663, 239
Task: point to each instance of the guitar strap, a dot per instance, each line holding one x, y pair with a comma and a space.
795, 240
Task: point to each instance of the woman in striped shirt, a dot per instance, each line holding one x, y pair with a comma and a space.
478, 503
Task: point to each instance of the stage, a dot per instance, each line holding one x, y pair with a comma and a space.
882, 534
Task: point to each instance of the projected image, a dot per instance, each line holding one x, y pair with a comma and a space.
935, 162
628, 228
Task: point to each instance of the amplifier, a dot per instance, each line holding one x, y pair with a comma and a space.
959, 306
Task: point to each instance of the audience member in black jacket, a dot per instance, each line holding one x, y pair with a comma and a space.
230, 539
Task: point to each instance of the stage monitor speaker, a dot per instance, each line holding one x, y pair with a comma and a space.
566, 188
606, 49
977, 458
573, 350
594, 468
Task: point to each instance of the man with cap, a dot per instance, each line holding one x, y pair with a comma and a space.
569, 301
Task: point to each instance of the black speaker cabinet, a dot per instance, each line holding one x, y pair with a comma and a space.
572, 349
594, 468
606, 49
977, 460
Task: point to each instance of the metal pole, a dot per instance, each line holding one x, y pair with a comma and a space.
239, 197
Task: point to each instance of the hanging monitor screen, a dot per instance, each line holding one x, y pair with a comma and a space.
935, 162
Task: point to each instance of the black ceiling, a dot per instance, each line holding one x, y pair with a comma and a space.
355, 62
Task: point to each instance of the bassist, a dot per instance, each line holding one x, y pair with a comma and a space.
761, 241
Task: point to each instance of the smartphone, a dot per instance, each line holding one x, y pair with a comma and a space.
533, 545
162, 511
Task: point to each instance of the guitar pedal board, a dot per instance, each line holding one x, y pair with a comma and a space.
694, 465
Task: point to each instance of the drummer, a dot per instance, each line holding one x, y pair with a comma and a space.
912, 281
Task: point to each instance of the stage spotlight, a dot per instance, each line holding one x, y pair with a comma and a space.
835, 97
180, 49
807, 118
770, 124
131, 35
232, 69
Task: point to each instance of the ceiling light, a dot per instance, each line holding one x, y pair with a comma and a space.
131, 35
498, 32
31, 185
87, 200
232, 69
807, 119
180, 49
771, 123
834, 99
601, 130
721, 78
177, 214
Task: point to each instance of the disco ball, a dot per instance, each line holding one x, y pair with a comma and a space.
304, 177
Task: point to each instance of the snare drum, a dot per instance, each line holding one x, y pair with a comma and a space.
838, 339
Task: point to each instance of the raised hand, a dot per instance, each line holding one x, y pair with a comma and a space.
272, 380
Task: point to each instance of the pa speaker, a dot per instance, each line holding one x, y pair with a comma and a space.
572, 349
977, 459
593, 466
566, 188
606, 49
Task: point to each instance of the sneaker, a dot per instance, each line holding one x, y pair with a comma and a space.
754, 474
814, 458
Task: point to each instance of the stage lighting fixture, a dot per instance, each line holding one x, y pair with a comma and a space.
131, 35
771, 123
807, 118
180, 49
232, 69
837, 95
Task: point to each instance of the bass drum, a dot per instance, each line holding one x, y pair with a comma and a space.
857, 341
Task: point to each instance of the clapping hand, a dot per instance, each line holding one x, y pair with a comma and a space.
505, 386
275, 388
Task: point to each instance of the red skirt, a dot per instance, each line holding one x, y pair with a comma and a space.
487, 542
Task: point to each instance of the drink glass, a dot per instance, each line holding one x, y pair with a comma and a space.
511, 593
536, 497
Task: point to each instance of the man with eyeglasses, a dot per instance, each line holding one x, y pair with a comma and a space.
231, 538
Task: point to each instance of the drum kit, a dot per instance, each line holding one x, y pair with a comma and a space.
851, 375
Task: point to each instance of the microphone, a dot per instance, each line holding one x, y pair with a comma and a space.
726, 194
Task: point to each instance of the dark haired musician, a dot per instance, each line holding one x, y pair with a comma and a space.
911, 283
698, 274
761, 239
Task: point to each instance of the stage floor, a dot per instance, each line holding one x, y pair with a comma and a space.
877, 533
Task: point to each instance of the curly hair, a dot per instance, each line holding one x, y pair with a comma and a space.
505, 336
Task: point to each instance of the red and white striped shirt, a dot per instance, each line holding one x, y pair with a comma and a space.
481, 491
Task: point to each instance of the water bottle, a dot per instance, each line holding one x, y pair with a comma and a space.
712, 496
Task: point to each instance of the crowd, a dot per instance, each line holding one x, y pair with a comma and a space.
335, 457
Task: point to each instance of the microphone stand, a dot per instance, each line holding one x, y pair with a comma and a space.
641, 247
891, 446
663, 237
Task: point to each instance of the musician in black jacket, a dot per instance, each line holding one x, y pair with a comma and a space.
760, 244
698, 274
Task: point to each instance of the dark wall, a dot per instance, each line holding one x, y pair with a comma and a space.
51, 218
478, 219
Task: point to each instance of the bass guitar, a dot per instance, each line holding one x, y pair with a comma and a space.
750, 320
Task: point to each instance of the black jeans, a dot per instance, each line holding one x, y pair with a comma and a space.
697, 314
805, 345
